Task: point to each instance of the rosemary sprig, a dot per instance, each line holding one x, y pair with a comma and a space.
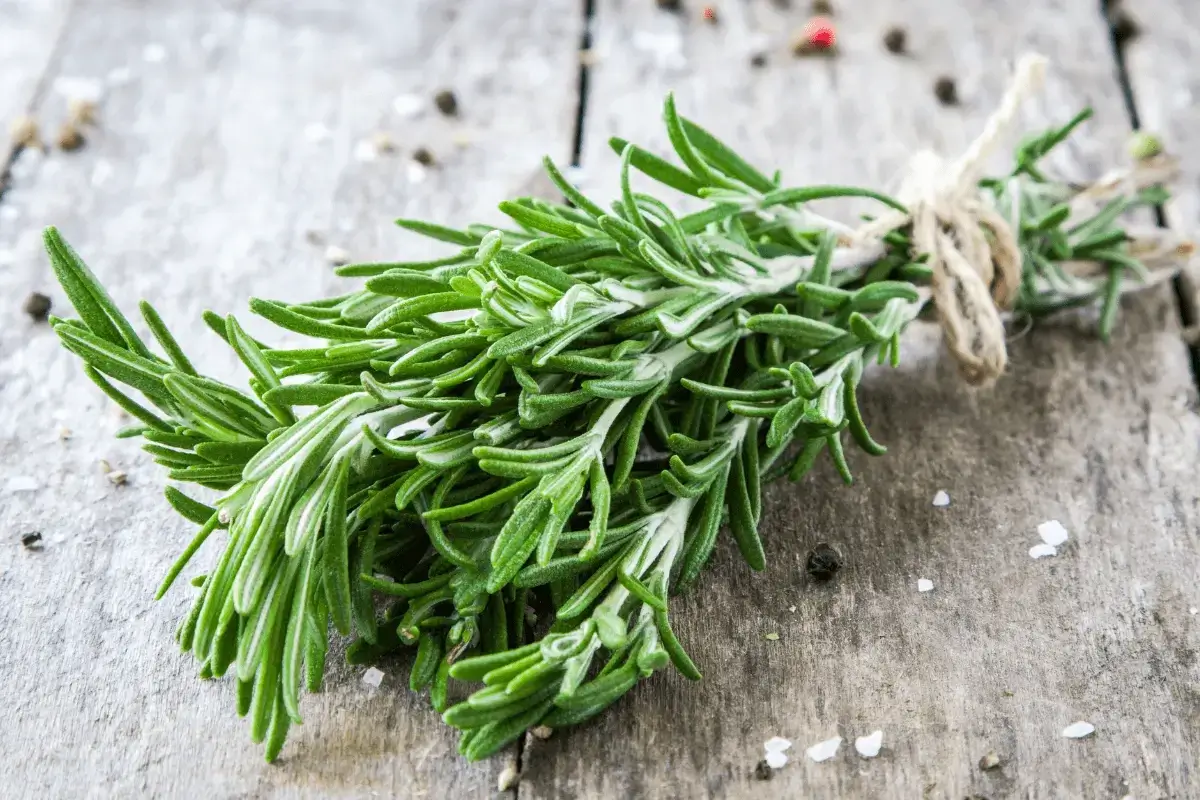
466, 435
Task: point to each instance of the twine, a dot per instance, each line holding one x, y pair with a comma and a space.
973, 252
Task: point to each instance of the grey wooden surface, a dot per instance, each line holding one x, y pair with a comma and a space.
198, 190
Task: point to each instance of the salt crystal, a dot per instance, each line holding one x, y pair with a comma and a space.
542, 732
1052, 532
408, 105
119, 76
1194, 610
868, 746
154, 53
101, 172
79, 88
777, 744
317, 132
792, 609
508, 778
1078, 730
364, 151
823, 751
336, 255
941, 499
373, 677
416, 173
1042, 550
924, 585
20, 483
776, 759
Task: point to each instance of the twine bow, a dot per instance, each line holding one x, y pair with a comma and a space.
973, 252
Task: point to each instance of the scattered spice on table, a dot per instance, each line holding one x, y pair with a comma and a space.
823, 562
70, 138
1124, 27
446, 102
895, 40
817, 37
424, 157
82, 110
24, 132
946, 91
37, 306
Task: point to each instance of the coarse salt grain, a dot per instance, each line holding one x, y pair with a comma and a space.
21, 483
416, 172
823, 751
373, 677
154, 53
1194, 610
336, 255
79, 88
1078, 730
365, 151
1052, 532
777, 744
924, 585
408, 105
869, 746
317, 132
119, 76
776, 759
1042, 551
941, 499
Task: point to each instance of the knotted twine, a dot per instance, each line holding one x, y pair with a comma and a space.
972, 250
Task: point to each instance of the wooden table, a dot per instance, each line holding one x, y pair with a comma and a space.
230, 130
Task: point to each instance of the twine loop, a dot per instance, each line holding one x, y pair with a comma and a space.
972, 249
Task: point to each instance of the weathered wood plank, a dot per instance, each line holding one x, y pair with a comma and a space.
1006, 651
29, 31
1166, 91
197, 190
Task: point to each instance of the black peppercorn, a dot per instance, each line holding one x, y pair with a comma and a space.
823, 562
895, 40
946, 91
37, 306
446, 102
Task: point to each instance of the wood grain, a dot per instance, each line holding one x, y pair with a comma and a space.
1005, 651
197, 190
29, 36
1166, 91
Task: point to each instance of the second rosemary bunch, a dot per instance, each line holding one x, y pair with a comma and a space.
562, 414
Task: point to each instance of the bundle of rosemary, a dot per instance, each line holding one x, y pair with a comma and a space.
568, 410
